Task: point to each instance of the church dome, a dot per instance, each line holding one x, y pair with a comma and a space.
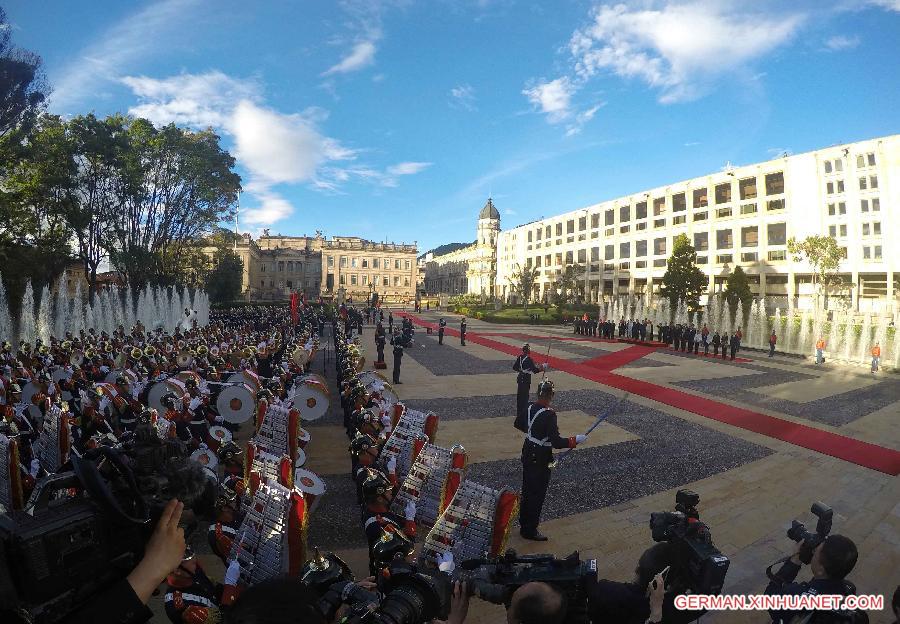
489, 211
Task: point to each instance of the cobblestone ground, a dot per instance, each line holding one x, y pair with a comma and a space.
752, 482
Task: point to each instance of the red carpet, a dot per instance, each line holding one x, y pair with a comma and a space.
600, 370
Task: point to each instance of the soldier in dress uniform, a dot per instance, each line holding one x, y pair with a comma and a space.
380, 340
541, 437
525, 367
462, 331
441, 325
397, 341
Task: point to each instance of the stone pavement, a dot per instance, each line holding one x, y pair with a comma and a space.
752, 480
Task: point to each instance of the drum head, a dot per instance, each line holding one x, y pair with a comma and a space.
206, 458
29, 390
154, 397
308, 482
251, 379
112, 375
311, 400
220, 434
236, 403
301, 459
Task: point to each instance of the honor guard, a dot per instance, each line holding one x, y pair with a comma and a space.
442, 324
525, 367
397, 341
380, 340
541, 437
462, 331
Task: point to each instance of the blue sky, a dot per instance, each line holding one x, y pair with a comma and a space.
394, 120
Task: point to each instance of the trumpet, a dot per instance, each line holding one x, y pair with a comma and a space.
202, 350
136, 353
66, 346
150, 351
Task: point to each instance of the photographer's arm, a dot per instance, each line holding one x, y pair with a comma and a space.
163, 553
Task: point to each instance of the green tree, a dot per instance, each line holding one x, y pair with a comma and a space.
823, 254
570, 281
223, 282
737, 289
523, 281
683, 279
23, 89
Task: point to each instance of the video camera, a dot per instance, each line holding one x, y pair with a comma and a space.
698, 566
495, 580
406, 594
799, 533
85, 527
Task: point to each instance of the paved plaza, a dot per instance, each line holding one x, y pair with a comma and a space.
759, 439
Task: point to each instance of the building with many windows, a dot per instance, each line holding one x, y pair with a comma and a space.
741, 216
275, 266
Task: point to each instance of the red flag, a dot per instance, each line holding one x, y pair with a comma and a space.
294, 301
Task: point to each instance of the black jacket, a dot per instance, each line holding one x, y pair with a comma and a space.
117, 605
784, 585
544, 426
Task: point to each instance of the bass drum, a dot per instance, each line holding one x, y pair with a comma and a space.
236, 403
28, 391
206, 458
159, 390
311, 485
311, 400
59, 376
366, 378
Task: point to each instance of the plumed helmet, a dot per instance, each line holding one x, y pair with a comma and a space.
361, 443
545, 387
375, 484
393, 544
526, 348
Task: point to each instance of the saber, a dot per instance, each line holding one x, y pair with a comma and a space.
547, 362
600, 419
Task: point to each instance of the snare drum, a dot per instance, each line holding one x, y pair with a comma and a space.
301, 459
218, 436
303, 438
311, 485
205, 458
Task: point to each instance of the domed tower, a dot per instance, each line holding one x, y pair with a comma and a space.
488, 224
483, 270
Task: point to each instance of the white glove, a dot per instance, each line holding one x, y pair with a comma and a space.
580, 438
51, 389
219, 419
545, 366
410, 511
135, 393
35, 468
195, 403
232, 574
392, 466
104, 403
445, 563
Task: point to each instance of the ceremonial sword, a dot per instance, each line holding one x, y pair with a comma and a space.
602, 417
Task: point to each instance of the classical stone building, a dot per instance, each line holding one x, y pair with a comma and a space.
471, 269
275, 266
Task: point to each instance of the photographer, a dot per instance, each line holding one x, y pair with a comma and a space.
126, 601
832, 560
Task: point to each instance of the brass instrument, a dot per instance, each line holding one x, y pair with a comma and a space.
150, 351
136, 353
202, 350
185, 359
76, 359
66, 346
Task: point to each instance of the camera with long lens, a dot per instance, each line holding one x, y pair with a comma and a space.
85, 526
810, 541
698, 566
495, 580
406, 594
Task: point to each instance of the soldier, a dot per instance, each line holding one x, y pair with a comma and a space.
380, 340
462, 331
525, 367
441, 325
715, 343
397, 341
541, 437
390, 323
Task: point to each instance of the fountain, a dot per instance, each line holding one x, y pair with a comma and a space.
865, 340
881, 338
739, 321
61, 308
6, 326
27, 329
803, 342
779, 335
44, 323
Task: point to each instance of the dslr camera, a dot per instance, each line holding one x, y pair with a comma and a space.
698, 566
406, 594
810, 541
495, 580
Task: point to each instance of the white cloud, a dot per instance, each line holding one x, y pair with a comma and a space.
553, 98
407, 168
892, 5
463, 97
131, 39
841, 42
678, 47
510, 212
361, 55
582, 118
272, 207
692, 143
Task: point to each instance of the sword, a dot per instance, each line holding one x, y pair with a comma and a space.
600, 419
547, 358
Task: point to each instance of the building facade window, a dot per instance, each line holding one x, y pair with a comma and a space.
723, 193
640, 210
775, 183
701, 241
679, 203
724, 239
747, 188
777, 234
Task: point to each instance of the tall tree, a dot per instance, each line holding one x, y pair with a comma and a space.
179, 185
823, 254
23, 88
737, 289
223, 283
683, 279
570, 281
523, 281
